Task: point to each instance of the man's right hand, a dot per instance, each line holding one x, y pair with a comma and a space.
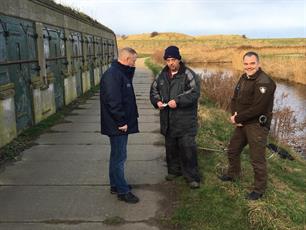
160, 105
123, 128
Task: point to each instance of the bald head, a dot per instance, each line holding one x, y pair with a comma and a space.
127, 56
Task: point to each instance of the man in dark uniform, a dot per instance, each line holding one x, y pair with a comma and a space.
119, 118
175, 93
251, 108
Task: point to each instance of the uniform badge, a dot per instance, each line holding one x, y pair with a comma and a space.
128, 85
263, 89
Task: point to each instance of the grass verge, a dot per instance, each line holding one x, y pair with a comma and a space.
220, 205
26, 139
155, 68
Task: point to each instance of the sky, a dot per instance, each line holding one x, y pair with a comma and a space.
253, 18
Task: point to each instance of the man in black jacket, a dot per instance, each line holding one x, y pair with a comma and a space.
119, 118
175, 93
251, 107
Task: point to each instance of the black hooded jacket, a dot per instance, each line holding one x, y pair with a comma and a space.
117, 100
184, 88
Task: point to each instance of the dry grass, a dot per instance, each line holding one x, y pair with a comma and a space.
282, 58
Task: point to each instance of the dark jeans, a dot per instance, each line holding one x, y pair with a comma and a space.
256, 136
118, 157
181, 155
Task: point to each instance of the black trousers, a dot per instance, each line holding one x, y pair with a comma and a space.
181, 155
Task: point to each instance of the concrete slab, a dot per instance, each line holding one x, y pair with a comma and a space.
96, 111
75, 226
77, 153
95, 139
86, 203
149, 127
63, 182
95, 127
79, 173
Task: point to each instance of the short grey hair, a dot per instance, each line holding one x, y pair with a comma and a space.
126, 50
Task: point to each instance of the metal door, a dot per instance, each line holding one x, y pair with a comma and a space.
21, 65
90, 58
77, 58
55, 60
4, 77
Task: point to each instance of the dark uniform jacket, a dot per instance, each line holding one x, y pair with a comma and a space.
184, 88
117, 100
253, 97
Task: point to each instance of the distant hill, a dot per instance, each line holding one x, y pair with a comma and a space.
176, 36
156, 36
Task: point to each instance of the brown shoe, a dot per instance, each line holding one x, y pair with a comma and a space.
254, 195
226, 178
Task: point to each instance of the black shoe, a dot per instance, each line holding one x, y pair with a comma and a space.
171, 177
113, 189
226, 178
253, 195
128, 198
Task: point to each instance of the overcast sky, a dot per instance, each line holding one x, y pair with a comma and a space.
254, 18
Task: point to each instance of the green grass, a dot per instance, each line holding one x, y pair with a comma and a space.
219, 205
152, 66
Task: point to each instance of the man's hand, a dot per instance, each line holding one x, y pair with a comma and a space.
172, 104
160, 105
232, 120
123, 128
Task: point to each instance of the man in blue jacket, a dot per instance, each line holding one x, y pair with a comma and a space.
119, 118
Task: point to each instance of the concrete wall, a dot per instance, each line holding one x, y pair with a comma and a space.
46, 12
97, 75
70, 89
7, 115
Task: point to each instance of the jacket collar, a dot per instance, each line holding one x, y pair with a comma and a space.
254, 76
127, 70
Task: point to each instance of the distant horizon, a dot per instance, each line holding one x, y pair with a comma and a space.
119, 35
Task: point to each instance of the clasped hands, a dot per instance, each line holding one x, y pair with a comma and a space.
172, 104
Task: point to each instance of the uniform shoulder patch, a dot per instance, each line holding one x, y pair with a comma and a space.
263, 89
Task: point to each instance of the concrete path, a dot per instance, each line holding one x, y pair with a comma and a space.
62, 182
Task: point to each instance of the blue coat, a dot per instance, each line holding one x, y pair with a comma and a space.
117, 100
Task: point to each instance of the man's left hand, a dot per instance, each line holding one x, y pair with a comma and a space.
172, 104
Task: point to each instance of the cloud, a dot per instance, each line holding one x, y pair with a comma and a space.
198, 16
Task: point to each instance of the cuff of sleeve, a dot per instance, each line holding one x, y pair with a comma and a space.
238, 119
121, 123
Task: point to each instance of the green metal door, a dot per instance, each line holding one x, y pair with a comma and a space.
21, 65
77, 58
90, 58
55, 59
99, 53
4, 77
